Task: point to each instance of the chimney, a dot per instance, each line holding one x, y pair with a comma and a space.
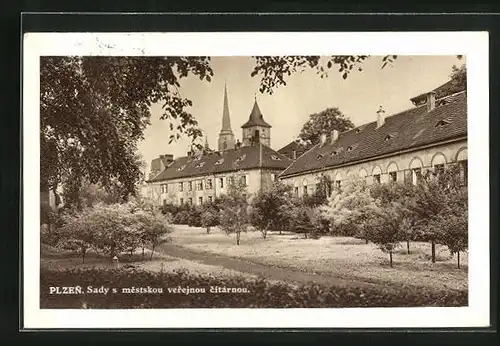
380, 116
322, 139
431, 101
335, 136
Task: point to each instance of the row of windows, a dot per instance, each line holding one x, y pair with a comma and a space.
200, 185
409, 175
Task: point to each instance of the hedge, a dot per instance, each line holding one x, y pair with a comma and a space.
260, 293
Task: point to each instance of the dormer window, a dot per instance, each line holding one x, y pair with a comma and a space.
201, 164
241, 158
335, 152
274, 157
181, 167
218, 162
320, 156
358, 130
387, 137
349, 148
442, 123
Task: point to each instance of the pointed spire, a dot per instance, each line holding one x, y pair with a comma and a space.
226, 121
256, 118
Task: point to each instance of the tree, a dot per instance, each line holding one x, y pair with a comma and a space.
303, 221
383, 223
390, 193
266, 208
431, 199
234, 214
345, 210
209, 218
324, 122
324, 189
459, 77
93, 111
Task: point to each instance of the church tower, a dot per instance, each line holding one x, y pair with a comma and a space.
256, 130
226, 136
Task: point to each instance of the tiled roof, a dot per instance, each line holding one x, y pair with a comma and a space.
256, 118
288, 149
244, 158
448, 88
411, 128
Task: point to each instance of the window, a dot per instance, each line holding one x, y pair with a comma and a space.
393, 177
442, 123
201, 164
463, 170
200, 200
181, 187
200, 185
338, 183
358, 130
334, 152
349, 148
273, 177
296, 191
181, 201
416, 175
164, 188
218, 162
305, 190
274, 157
229, 180
244, 180
320, 156
387, 137
439, 169
190, 186
181, 168
376, 178
241, 158
209, 184
190, 201
221, 183
210, 199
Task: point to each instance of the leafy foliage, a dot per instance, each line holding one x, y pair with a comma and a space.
267, 208
93, 111
209, 218
235, 211
260, 292
324, 122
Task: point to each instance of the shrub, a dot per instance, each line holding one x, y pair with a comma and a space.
260, 293
181, 218
194, 219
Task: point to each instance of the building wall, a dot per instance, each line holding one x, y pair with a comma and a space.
264, 135
401, 163
256, 180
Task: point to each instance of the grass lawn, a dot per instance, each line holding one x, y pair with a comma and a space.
56, 259
342, 257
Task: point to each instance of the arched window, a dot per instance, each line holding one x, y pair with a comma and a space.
438, 163
392, 172
414, 173
462, 161
224, 145
376, 174
338, 180
362, 173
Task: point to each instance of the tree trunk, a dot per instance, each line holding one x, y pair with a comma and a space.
390, 258
305, 235
208, 230
131, 252
49, 227
84, 250
237, 238
152, 251
433, 251
408, 247
458, 259
143, 252
280, 232
264, 234
366, 240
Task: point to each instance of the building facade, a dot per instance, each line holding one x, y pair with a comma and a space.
400, 147
205, 175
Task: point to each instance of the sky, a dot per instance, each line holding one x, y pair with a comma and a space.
358, 97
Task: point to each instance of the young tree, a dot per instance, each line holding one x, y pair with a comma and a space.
431, 199
384, 225
234, 213
303, 221
324, 189
209, 218
326, 121
266, 208
387, 194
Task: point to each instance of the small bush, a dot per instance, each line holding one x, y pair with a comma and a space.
259, 292
181, 218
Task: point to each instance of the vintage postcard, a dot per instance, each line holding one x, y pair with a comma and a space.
263, 180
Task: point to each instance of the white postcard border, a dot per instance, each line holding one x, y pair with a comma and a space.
474, 45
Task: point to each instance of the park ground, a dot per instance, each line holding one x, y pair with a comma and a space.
288, 257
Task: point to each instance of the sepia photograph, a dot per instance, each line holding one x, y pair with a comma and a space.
257, 181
